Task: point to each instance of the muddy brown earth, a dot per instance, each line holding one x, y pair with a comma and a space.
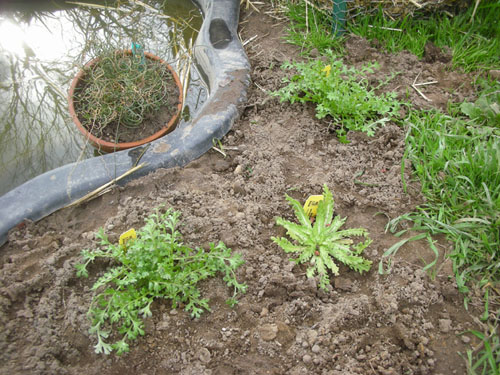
406, 322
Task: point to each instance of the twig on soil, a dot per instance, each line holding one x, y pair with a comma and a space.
63, 299
415, 84
421, 93
249, 40
221, 152
371, 366
273, 15
279, 23
104, 188
258, 53
426, 83
275, 11
260, 87
251, 4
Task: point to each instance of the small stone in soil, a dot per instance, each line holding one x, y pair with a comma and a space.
238, 188
445, 325
495, 73
268, 332
307, 358
162, 326
238, 170
204, 355
312, 335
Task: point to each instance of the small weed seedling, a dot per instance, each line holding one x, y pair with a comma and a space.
318, 243
154, 265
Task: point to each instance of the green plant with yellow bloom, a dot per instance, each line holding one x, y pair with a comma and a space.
340, 93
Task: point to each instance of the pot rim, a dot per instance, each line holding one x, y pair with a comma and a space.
112, 146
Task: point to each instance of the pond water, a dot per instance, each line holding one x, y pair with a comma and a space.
42, 47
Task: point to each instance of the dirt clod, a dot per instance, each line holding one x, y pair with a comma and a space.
268, 332
445, 325
204, 355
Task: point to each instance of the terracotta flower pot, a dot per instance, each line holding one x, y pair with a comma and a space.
111, 146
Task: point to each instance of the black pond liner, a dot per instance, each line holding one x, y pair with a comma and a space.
220, 57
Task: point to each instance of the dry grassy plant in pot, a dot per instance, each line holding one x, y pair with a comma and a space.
123, 99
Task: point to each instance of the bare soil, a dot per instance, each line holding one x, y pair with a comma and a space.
406, 322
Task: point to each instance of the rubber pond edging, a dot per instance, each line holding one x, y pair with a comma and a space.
221, 58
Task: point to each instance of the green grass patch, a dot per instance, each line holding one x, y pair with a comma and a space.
475, 45
457, 161
311, 29
485, 361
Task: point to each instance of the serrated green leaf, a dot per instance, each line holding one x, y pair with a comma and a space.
287, 246
297, 232
299, 211
324, 213
310, 272
81, 270
120, 347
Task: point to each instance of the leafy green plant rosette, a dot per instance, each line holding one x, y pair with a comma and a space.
154, 265
318, 243
341, 93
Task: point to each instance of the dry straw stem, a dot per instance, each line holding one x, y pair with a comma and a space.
104, 188
474, 11
249, 40
184, 58
95, 6
249, 4
415, 84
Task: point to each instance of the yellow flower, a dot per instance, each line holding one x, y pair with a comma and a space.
327, 70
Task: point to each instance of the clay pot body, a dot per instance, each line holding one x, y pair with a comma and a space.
107, 146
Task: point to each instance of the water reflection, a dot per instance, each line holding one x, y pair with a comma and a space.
41, 51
